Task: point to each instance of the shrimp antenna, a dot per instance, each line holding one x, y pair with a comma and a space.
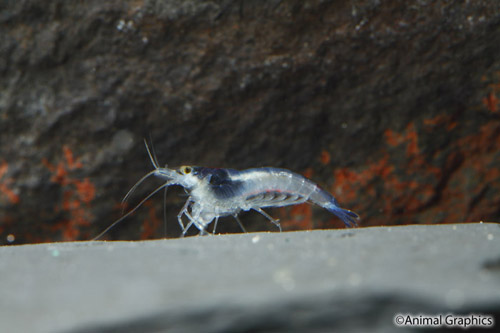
131, 211
156, 164
139, 182
154, 161
152, 156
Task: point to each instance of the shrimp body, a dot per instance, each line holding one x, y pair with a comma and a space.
217, 192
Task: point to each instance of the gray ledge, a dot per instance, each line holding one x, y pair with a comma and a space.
295, 281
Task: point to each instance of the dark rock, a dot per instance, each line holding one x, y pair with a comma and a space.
323, 280
393, 108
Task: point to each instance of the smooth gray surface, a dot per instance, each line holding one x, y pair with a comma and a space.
269, 281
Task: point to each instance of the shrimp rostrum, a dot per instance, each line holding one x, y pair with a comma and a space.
217, 192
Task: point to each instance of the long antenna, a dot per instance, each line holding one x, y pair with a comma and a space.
137, 184
152, 157
130, 212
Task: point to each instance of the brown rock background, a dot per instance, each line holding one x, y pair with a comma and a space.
393, 107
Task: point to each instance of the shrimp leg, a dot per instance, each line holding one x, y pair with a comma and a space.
192, 221
215, 225
276, 222
239, 222
165, 211
182, 212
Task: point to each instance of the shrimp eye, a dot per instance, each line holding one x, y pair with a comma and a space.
186, 170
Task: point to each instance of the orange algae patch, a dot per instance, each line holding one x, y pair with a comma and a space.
477, 173
70, 161
308, 173
404, 185
397, 190
440, 120
491, 102
152, 222
77, 196
85, 190
4, 184
325, 157
410, 138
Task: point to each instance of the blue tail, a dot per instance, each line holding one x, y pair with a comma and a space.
348, 217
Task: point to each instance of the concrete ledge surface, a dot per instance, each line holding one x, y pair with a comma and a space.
292, 281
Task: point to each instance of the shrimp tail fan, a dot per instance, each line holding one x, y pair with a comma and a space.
349, 218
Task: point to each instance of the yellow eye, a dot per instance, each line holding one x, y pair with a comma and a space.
186, 170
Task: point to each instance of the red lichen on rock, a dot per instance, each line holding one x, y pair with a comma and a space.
401, 187
405, 183
4, 184
415, 190
76, 198
491, 102
410, 138
85, 190
475, 177
151, 223
443, 120
70, 161
325, 157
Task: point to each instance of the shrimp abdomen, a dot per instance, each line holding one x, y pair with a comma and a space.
272, 187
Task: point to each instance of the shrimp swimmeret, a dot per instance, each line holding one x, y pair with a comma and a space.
216, 192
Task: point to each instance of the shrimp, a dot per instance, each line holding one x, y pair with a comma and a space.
217, 192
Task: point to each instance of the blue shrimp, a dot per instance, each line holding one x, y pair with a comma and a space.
217, 192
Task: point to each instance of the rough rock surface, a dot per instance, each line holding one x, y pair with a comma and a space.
320, 280
392, 107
